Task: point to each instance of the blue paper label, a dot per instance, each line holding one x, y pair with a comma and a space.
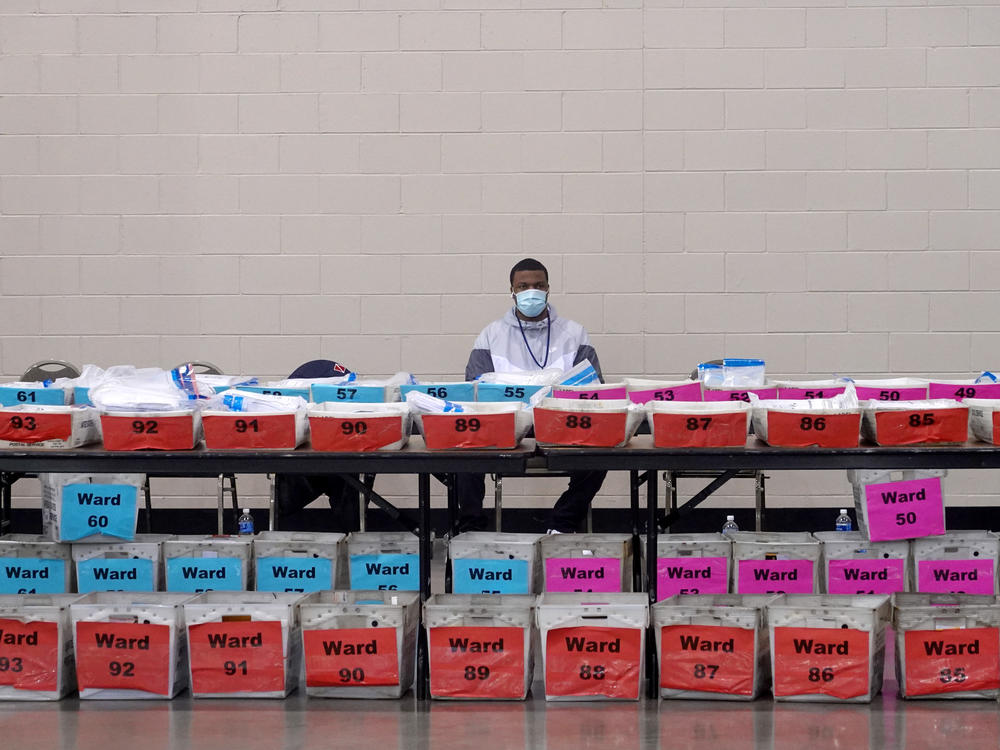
106, 509
21, 396
472, 576
352, 393
501, 392
301, 392
32, 575
451, 391
197, 574
299, 574
385, 572
118, 574
81, 396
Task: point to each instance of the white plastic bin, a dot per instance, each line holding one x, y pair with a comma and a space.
697, 424
593, 645
478, 425
195, 564
359, 644
123, 566
983, 419
915, 422
37, 647
775, 562
898, 504
565, 421
587, 562
852, 564
484, 562
713, 647
48, 426
480, 646
130, 646
243, 644
384, 560
828, 647
351, 428
254, 430
34, 564
84, 508
804, 423
947, 645
692, 564
642, 390
959, 562
297, 561
175, 429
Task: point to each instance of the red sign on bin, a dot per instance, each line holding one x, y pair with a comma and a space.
121, 655
700, 431
595, 429
477, 662
952, 661
827, 661
22, 427
593, 661
463, 430
359, 434
236, 657
711, 658
351, 657
235, 431
801, 430
148, 433
29, 655
920, 426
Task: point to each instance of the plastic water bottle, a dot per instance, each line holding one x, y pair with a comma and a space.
246, 523
730, 527
843, 522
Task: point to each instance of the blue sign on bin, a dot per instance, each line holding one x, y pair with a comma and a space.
197, 574
449, 391
32, 575
349, 393
81, 396
88, 509
126, 574
472, 576
304, 574
501, 392
21, 396
385, 572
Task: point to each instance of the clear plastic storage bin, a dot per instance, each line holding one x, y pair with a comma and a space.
478, 425
254, 430
720, 424
37, 647
207, 563
852, 564
176, 429
984, 419
915, 422
606, 424
898, 504
359, 428
298, 561
48, 426
122, 566
384, 560
484, 562
587, 562
775, 562
959, 562
34, 564
86, 508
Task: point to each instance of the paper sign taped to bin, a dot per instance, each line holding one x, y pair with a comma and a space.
388, 572
691, 575
588, 428
921, 426
472, 576
36, 427
501, 392
351, 657
360, 434
114, 574
588, 660
956, 576
149, 433
709, 658
197, 574
106, 509
122, 655
30, 652
583, 574
689, 392
469, 662
825, 661
911, 393
700, 430
271, 431
907, 509
236, 657
32, 575
951, 661
807, 393
295, 574
801, 430
463, 430
724, 394
36, 396
447, 391
594, 395
875, 576
355, 394
302, 393
775, 577
959, 391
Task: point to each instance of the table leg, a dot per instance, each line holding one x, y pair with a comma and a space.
633, 482
424, 496
652, 671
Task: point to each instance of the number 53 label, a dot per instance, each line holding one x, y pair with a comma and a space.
477, 662
236, 657
593, 661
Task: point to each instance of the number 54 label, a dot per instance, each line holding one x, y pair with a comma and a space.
477, 662
236, 657
593, 661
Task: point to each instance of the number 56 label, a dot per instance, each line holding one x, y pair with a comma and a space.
236, 657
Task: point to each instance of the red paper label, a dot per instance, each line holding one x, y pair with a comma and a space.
828, 661
23, 427
709, 658
29, 654
911, 427
593, 661
700, 431
800, 430
361, 434
236, 657
351, 657
235, 432
147, 433
579, 428
477, 662
123, 655
950, 661
996, 427
444, 431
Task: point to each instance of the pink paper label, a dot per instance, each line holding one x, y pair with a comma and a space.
905, 510
775, 577
865, 576
691, 575
713, 394
819, 392
891, 394
601, 395
689, 392
958, 392
956, 576
603, 574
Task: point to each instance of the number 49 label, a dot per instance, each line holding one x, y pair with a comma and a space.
477, 662
827, 661
593, 661
236, 657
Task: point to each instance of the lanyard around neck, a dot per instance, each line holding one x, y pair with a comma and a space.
548, 339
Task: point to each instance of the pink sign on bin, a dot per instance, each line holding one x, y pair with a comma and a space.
959, 391
722, 394
607, 393
691, 575
775, 577
689, 392
905, 510
820, 392
865, 576
956, 576
602, 574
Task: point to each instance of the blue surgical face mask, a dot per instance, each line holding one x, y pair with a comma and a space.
531, 302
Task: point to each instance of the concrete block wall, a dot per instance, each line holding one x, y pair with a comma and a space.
261, 182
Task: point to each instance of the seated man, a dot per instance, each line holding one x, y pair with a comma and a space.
531, 336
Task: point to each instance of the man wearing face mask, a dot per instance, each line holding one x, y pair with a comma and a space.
530, 337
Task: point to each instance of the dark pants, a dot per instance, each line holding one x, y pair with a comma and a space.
567, 514
293, 492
